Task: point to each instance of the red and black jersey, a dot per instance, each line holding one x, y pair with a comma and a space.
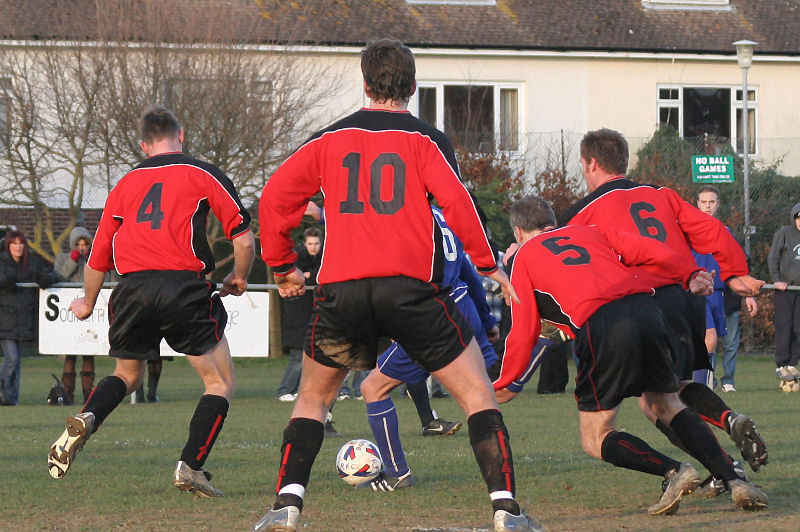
375, 169
564, 275
659, 213
155, 218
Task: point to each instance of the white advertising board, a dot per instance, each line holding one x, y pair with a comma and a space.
61, 333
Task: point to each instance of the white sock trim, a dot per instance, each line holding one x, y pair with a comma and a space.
501, 495
293, 489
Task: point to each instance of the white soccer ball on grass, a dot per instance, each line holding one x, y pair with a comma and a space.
359, 461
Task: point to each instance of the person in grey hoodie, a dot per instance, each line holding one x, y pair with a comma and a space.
784, 270
69, 267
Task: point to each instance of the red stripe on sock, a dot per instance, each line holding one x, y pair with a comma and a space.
644, 455
506, 467
282, 470
204, 449
720, 423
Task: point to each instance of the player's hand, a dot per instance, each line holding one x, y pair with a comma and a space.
81, 308
509, 294
510, 253
702, 284
291, 285
313, 210
493, 334
232, 285
746, 285
752, 306
504, 395
780, 285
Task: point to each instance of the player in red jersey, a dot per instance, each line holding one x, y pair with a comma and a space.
659, 213
589, 282
153, 233
381, 265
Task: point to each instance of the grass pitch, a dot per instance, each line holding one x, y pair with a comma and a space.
122, 478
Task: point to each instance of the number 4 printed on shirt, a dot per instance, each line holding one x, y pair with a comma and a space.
150, 209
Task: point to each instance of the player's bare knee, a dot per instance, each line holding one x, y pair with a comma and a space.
592, 445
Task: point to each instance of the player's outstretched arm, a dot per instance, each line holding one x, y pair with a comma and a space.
244, 249
745, 285
92, 283
292, 284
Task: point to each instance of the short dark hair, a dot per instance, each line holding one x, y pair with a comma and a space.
312, 231
532, 213
708, 188
608, 147
158, 123
389, 70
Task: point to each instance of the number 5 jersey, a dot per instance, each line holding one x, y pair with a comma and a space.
375, 169
155, 218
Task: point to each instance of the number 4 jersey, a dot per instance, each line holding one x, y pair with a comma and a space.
155, 218
375, 169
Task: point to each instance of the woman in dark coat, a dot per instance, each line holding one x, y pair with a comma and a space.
17, 308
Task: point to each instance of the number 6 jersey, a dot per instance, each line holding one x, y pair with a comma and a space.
375, 169
155, 218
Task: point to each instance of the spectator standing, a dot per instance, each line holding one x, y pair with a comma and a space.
297, 312
69, 266
708, 201
784, 270
18, 308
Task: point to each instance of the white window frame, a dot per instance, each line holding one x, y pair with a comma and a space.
752, 105
497, 86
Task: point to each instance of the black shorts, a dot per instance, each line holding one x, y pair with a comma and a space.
623, 350
350, 317
177, 305
685, 315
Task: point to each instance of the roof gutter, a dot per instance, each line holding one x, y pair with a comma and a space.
425, 51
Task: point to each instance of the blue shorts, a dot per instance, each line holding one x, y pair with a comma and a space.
715, 313
395, 362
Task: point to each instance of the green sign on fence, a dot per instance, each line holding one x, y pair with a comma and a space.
712, 168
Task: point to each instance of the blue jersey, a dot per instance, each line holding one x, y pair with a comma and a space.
460, 275
466, 289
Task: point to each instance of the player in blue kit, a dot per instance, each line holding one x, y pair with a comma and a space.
395, 366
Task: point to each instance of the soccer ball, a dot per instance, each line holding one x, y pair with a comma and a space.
359, 461
790, 386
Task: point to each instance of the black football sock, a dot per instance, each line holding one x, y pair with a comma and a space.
671, 435
106, 396
302, 440
204, 428
488, 436
422, 402
707, 404
626, 450
702, 444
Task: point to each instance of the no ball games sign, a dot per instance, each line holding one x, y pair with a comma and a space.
712, 168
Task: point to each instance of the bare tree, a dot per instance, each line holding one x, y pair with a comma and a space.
50, 146
74, 105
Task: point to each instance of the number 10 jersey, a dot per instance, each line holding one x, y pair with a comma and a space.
375, 169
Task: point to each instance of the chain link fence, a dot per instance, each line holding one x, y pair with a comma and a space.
665, 159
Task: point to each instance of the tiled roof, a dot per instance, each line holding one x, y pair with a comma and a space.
624, 25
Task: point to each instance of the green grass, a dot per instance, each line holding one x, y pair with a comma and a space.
122, 478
